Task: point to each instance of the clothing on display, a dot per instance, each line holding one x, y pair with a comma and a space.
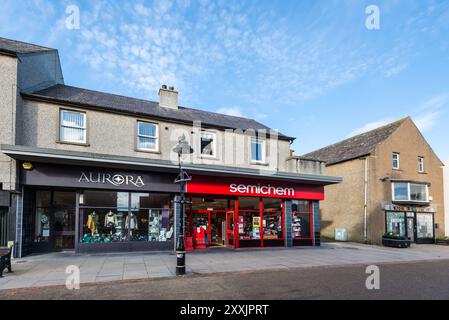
110, 220
131, 222
92, 222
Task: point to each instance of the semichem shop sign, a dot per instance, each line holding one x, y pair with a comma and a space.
254, 188
113, 179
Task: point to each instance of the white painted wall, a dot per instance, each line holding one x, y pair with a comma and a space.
446, 196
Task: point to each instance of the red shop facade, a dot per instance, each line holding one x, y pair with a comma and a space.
249, 213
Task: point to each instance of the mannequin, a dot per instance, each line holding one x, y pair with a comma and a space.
110, 221
131, 223
92, 222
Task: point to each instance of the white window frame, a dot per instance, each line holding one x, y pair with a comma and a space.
421, 165
61, 126
156, 137
409, 184
264, 150
398, 155
214, 144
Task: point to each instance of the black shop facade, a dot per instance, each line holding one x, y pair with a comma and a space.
92, 209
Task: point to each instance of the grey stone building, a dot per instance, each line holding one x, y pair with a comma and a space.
94, 172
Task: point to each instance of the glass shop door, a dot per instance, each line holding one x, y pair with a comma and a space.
230, 236
63, 228
411, 228
425, 228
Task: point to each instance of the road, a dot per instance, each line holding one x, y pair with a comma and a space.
423, 280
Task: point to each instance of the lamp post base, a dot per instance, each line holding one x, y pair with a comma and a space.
180, 263
181, 256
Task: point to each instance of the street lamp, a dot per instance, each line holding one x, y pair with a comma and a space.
183, 147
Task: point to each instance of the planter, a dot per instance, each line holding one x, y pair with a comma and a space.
396, 243
442, 242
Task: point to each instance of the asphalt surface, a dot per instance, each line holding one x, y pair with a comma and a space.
423, 280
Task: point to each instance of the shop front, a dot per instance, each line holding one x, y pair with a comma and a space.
96, 210
415, 223
250, 213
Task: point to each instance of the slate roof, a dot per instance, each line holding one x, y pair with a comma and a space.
15, 47
116, 103
355, 147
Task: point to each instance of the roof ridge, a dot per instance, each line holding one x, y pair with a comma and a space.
28, 43
400, 121
62, 93
144, 100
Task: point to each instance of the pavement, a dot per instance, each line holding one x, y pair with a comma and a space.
399, 281
50, 269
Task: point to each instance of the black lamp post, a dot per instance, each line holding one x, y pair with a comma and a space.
183, 147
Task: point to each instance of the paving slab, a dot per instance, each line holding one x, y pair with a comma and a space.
49, 269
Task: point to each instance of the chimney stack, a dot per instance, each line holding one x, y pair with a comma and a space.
168, 97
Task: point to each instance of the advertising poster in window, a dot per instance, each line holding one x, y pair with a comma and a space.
256, 227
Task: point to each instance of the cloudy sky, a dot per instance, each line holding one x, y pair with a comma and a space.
310, 69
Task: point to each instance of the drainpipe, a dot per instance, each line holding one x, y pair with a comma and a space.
365, 208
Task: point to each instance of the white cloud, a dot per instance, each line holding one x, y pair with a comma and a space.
426, 121
370, 126
435, 102
233, 111
429, 111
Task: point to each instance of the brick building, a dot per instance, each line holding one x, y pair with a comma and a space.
446, 195
392, 181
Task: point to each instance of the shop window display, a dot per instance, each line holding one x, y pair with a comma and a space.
396, 222
272, 219
134, 217
301, 219
249, 219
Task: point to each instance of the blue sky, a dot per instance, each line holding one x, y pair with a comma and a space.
310, 69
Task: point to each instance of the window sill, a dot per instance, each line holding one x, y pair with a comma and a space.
74, 143
208, 157
257, 163
147, 151
412, 203
422, 172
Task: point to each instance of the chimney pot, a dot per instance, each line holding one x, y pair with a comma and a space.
168, 98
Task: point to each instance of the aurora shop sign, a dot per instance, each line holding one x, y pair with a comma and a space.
114, 179
97, 178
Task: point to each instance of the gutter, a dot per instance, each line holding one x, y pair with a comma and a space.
365, 207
